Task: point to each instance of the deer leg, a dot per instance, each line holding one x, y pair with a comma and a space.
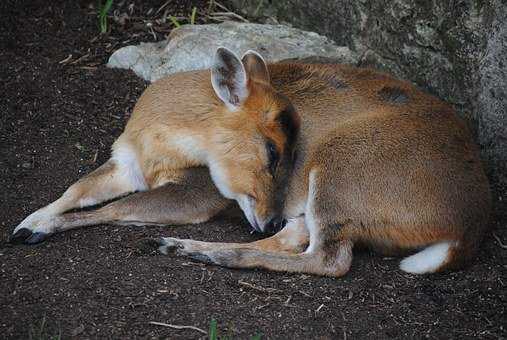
292, 238
118, 176
195, 200
169, 204
328, 253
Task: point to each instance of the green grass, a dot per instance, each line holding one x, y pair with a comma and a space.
174, 21
106, 6
213, 330
192, 16
103, 10
191, 21
213, 333
39, 332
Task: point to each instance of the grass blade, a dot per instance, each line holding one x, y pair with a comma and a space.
174, 21
104, 9
213, 330
192, 17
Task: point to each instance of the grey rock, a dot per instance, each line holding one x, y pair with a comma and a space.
192, 47
492, 99
456, 50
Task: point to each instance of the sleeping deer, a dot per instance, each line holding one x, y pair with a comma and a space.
332, 155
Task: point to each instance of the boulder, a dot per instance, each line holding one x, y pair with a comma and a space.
191, 47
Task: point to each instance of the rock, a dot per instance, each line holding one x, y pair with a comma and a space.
191, 47
456, 50
492, 99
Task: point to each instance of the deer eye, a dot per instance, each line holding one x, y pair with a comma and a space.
273, 156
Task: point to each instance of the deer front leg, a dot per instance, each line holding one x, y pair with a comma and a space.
118, 176
194, 200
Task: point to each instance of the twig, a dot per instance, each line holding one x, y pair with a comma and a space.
66, 60
228, 12
94, 160
261, 307
227, 15
89, 68
178, 326
162, 7
211, 6
305, 294
196, 264
257, 9
80, 58
318, 309
288, 300
258, 288
503, 246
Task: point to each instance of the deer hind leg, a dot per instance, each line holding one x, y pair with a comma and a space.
293, 238
119, 175
327, 253
193, 201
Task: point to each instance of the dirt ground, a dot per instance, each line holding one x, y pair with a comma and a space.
61, 109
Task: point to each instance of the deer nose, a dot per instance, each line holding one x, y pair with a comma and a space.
275, 224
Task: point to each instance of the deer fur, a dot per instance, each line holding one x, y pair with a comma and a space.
345, 155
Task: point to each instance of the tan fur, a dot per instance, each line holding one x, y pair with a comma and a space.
393, 167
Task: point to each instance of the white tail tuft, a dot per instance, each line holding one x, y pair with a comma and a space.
429, 260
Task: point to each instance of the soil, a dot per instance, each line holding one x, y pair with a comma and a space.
61, 108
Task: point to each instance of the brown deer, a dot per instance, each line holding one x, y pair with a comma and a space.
344, 155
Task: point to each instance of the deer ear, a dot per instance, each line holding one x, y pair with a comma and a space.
255, 66
228, 78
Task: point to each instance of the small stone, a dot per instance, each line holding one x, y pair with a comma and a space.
79, 146
26, 165
78, 330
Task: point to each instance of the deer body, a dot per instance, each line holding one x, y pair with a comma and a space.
345, 155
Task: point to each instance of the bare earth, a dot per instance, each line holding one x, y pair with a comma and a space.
58, 120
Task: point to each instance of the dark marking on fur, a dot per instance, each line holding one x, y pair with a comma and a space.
295, 157
200, 258
307, 81
393, 95
336, 226
288, 121
37, 237
289, 124
336, 83
231, 258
